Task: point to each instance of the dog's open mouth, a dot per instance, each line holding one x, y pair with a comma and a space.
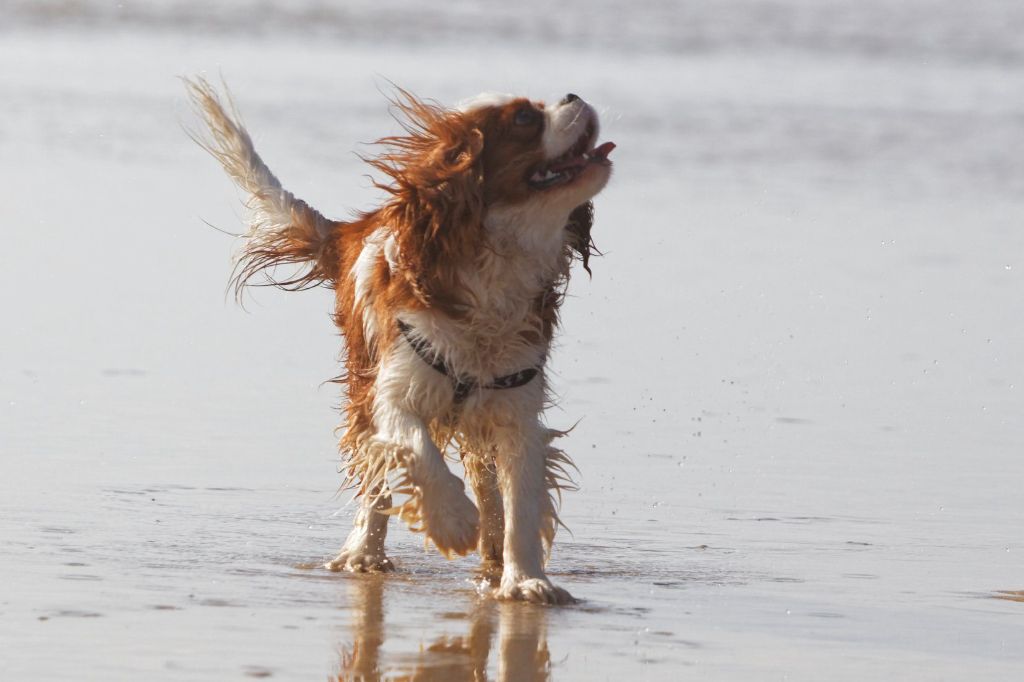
569, 165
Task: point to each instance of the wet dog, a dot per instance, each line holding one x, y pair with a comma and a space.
447, 296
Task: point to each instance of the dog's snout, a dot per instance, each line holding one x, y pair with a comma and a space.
570, 98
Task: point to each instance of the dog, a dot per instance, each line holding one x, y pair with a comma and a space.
447, 296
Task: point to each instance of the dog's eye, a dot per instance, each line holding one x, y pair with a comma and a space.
526, 116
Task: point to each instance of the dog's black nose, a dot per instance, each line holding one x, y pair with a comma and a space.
569, 99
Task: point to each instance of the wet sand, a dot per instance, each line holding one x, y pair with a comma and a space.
797, 367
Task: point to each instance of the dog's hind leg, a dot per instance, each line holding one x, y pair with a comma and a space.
483, 476
363, 551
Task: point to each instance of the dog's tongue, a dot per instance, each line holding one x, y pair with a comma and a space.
601, 153
604, 150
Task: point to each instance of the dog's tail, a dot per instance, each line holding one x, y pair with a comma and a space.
283, 230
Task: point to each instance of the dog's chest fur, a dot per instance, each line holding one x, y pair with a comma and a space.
503, 327
504, 320
507, 323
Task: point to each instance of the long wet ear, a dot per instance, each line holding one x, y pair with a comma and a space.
436, 186
581, 243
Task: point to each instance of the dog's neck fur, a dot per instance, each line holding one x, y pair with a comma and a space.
525, 254
500, 330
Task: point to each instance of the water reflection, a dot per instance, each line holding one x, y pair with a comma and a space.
516, 632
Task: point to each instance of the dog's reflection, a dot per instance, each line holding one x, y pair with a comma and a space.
522, 650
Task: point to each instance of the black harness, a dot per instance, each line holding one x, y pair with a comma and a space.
463, 386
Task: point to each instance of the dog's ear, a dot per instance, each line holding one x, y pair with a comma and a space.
450, 189
581, 243
437, 202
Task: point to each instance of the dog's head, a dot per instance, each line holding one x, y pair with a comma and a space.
531, 166
536, 153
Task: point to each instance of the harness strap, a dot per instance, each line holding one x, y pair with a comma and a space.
463, 385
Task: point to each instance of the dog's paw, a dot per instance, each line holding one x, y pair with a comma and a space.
449, 518
534, 590
360, 562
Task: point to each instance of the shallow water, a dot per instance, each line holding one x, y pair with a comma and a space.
797, 366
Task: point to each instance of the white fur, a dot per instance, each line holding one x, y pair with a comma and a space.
484, 99
272, 207
521, 467
526, 254
564, 125
408, 393
362, 275
364, 549
391, 252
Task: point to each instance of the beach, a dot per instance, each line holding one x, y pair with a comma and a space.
795, 375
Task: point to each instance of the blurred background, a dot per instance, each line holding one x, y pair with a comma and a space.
797, 366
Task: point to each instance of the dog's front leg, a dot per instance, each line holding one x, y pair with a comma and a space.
438, 502
522, 465
364, 549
